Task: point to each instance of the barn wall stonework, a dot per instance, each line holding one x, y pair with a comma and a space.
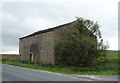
42, 45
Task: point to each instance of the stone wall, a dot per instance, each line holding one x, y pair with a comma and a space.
42, 45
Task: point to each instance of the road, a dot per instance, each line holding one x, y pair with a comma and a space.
13, 73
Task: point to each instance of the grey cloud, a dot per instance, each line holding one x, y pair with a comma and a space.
18, 18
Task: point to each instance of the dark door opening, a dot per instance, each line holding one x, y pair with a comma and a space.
31, 56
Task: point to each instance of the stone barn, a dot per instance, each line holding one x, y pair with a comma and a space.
39, 46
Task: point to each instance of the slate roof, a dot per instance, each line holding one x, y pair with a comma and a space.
46, 30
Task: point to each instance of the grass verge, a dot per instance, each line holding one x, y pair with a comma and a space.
110, 68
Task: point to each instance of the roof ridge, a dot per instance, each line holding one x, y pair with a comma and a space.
46, 30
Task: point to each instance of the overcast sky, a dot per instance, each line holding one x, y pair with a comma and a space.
22, 18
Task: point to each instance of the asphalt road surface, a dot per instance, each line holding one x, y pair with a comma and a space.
13, 73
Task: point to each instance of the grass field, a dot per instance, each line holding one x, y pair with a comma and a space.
9, 57
103, 68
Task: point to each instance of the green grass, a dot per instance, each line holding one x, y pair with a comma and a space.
112, 55
9, 56
109, 68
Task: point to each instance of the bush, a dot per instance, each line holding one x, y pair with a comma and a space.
76, 50
79, 48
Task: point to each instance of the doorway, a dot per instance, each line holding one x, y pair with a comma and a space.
31, 56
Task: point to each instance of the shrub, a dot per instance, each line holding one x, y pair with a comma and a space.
79, 48
76, 50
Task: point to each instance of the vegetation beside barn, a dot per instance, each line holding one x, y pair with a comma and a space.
82, 46
103, 68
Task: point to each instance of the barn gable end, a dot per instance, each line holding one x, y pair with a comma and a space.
39, 46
